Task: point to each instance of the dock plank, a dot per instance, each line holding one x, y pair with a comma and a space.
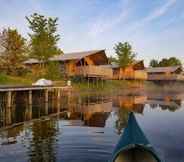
28, 88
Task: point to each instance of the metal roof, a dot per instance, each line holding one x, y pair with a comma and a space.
163, 69
68, 56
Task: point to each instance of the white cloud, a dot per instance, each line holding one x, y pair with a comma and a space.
158, 12
104, 24
155, 14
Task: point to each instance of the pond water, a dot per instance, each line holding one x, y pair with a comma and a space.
86, 128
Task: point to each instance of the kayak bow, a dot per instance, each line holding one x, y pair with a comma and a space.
133, 145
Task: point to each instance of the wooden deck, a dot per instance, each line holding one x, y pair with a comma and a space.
135, 75
94, 71
162, 77
140, 75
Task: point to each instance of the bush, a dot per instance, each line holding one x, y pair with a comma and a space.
53, 71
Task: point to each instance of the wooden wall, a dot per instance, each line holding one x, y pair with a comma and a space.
129, 74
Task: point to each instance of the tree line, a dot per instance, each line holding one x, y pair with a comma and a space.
41, 45
126, 56
172, 61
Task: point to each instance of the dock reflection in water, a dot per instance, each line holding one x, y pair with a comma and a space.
84, 128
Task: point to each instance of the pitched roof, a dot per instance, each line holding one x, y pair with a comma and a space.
68, 56
75, 55
163, 69
115, 65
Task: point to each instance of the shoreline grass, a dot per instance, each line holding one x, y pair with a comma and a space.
108, 85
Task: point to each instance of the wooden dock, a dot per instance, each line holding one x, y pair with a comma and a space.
31, 88
8, 90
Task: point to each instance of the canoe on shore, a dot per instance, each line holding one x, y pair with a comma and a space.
133, 145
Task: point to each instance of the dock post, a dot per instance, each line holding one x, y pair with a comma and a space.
46, 95
30, 111
58, 94
58, 100
9, 98
46, 108
30, 98
46, 101
8, 119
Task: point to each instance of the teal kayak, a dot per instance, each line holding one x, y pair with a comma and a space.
133, 145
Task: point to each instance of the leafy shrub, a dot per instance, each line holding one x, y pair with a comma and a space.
53, 71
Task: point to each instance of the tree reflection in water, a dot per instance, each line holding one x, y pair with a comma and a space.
43, 142
122, 119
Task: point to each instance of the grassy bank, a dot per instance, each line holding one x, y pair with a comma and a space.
14, 80
108, 86
23, 80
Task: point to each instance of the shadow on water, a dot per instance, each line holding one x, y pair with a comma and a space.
79, 127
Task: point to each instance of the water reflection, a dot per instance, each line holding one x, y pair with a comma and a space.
43, 143
38, 129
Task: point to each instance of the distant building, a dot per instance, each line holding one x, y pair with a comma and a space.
171, 73
135, 71
86, 64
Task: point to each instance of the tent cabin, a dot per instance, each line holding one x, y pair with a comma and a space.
171, 73
135, 71
86, 64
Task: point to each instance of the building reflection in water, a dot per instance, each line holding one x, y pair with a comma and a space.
91, 110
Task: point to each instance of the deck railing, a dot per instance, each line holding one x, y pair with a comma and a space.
169, 77
94, 71
135, 75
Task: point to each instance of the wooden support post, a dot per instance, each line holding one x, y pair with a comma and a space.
9, 99
29, 112
8, 116
58, 100
94, 82
58, 94
46, 95
97, 82
30, 97
46, 108
88, 82
102, 82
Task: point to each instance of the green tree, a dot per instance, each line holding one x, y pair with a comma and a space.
124, 53
172, 61
154, 63
112, 59
44, 39
53, 71
13, 51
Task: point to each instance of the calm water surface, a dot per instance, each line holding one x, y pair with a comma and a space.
86, 128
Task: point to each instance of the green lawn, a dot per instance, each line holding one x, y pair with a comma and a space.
14, 80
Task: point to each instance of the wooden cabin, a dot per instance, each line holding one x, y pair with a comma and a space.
135, 71
171, 73
86, 64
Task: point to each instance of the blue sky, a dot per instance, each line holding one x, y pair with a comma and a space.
155, 28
